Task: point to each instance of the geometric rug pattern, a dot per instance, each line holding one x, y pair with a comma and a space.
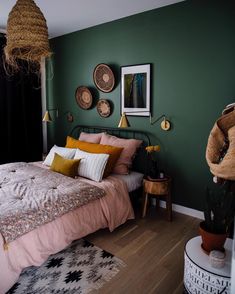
78, 269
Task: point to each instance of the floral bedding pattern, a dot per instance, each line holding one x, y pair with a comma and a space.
31, 196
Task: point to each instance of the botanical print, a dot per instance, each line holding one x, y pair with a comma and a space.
135, 90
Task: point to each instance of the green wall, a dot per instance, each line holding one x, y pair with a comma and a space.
191, 46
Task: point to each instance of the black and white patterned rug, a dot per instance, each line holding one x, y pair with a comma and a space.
80, 268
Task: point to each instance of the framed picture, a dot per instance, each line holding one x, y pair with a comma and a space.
135, 90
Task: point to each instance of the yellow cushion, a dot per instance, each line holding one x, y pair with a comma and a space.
67, 167
114, 152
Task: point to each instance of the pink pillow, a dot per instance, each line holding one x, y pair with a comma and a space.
90, 137
125, 160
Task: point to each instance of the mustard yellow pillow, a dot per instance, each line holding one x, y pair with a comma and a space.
67, 167
114, 152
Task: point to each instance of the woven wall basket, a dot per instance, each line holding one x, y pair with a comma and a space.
84, 97
104, 78
27, 34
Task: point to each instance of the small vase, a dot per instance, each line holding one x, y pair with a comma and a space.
211, 241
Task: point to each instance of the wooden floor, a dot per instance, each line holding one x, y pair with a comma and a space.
152, 248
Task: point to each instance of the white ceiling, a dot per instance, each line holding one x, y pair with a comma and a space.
66, 16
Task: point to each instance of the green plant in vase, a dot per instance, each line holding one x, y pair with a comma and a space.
219, 214
219, 210
153, 171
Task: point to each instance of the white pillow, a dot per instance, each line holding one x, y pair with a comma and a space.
92, 165
62, 151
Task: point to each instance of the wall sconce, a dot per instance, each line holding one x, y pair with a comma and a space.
123, 123
69, 116
165, 124
47, 116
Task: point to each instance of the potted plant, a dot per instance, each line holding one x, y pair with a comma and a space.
153, 171
219, 214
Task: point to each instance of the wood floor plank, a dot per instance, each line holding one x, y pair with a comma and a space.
152, 249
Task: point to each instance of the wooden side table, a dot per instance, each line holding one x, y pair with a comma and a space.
157, 188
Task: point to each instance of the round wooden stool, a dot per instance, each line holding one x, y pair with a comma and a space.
157, 188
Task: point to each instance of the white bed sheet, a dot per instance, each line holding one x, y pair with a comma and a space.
133, 180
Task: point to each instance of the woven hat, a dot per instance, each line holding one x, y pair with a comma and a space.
220, 151
27, 34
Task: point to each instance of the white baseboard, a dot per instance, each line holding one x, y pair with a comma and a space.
185, 210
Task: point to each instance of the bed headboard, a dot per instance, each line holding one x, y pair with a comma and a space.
140, 161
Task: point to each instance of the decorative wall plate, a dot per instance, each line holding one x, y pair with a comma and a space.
83, 97
103, 108
103, 78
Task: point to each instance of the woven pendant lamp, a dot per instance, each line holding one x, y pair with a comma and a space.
27, 34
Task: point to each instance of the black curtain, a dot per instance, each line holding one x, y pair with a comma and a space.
20, 115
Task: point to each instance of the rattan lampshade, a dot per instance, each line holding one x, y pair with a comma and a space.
27, 34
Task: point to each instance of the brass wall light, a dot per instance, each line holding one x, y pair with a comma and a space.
123, 123
47, 116
69, 116
165, 124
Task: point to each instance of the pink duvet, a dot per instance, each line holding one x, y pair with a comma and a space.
34, 247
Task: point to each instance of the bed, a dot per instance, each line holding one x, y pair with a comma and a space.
109, 211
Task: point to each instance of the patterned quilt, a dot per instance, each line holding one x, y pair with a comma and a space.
31, 196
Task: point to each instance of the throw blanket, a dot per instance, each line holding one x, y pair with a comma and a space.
31, 196
220, 152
